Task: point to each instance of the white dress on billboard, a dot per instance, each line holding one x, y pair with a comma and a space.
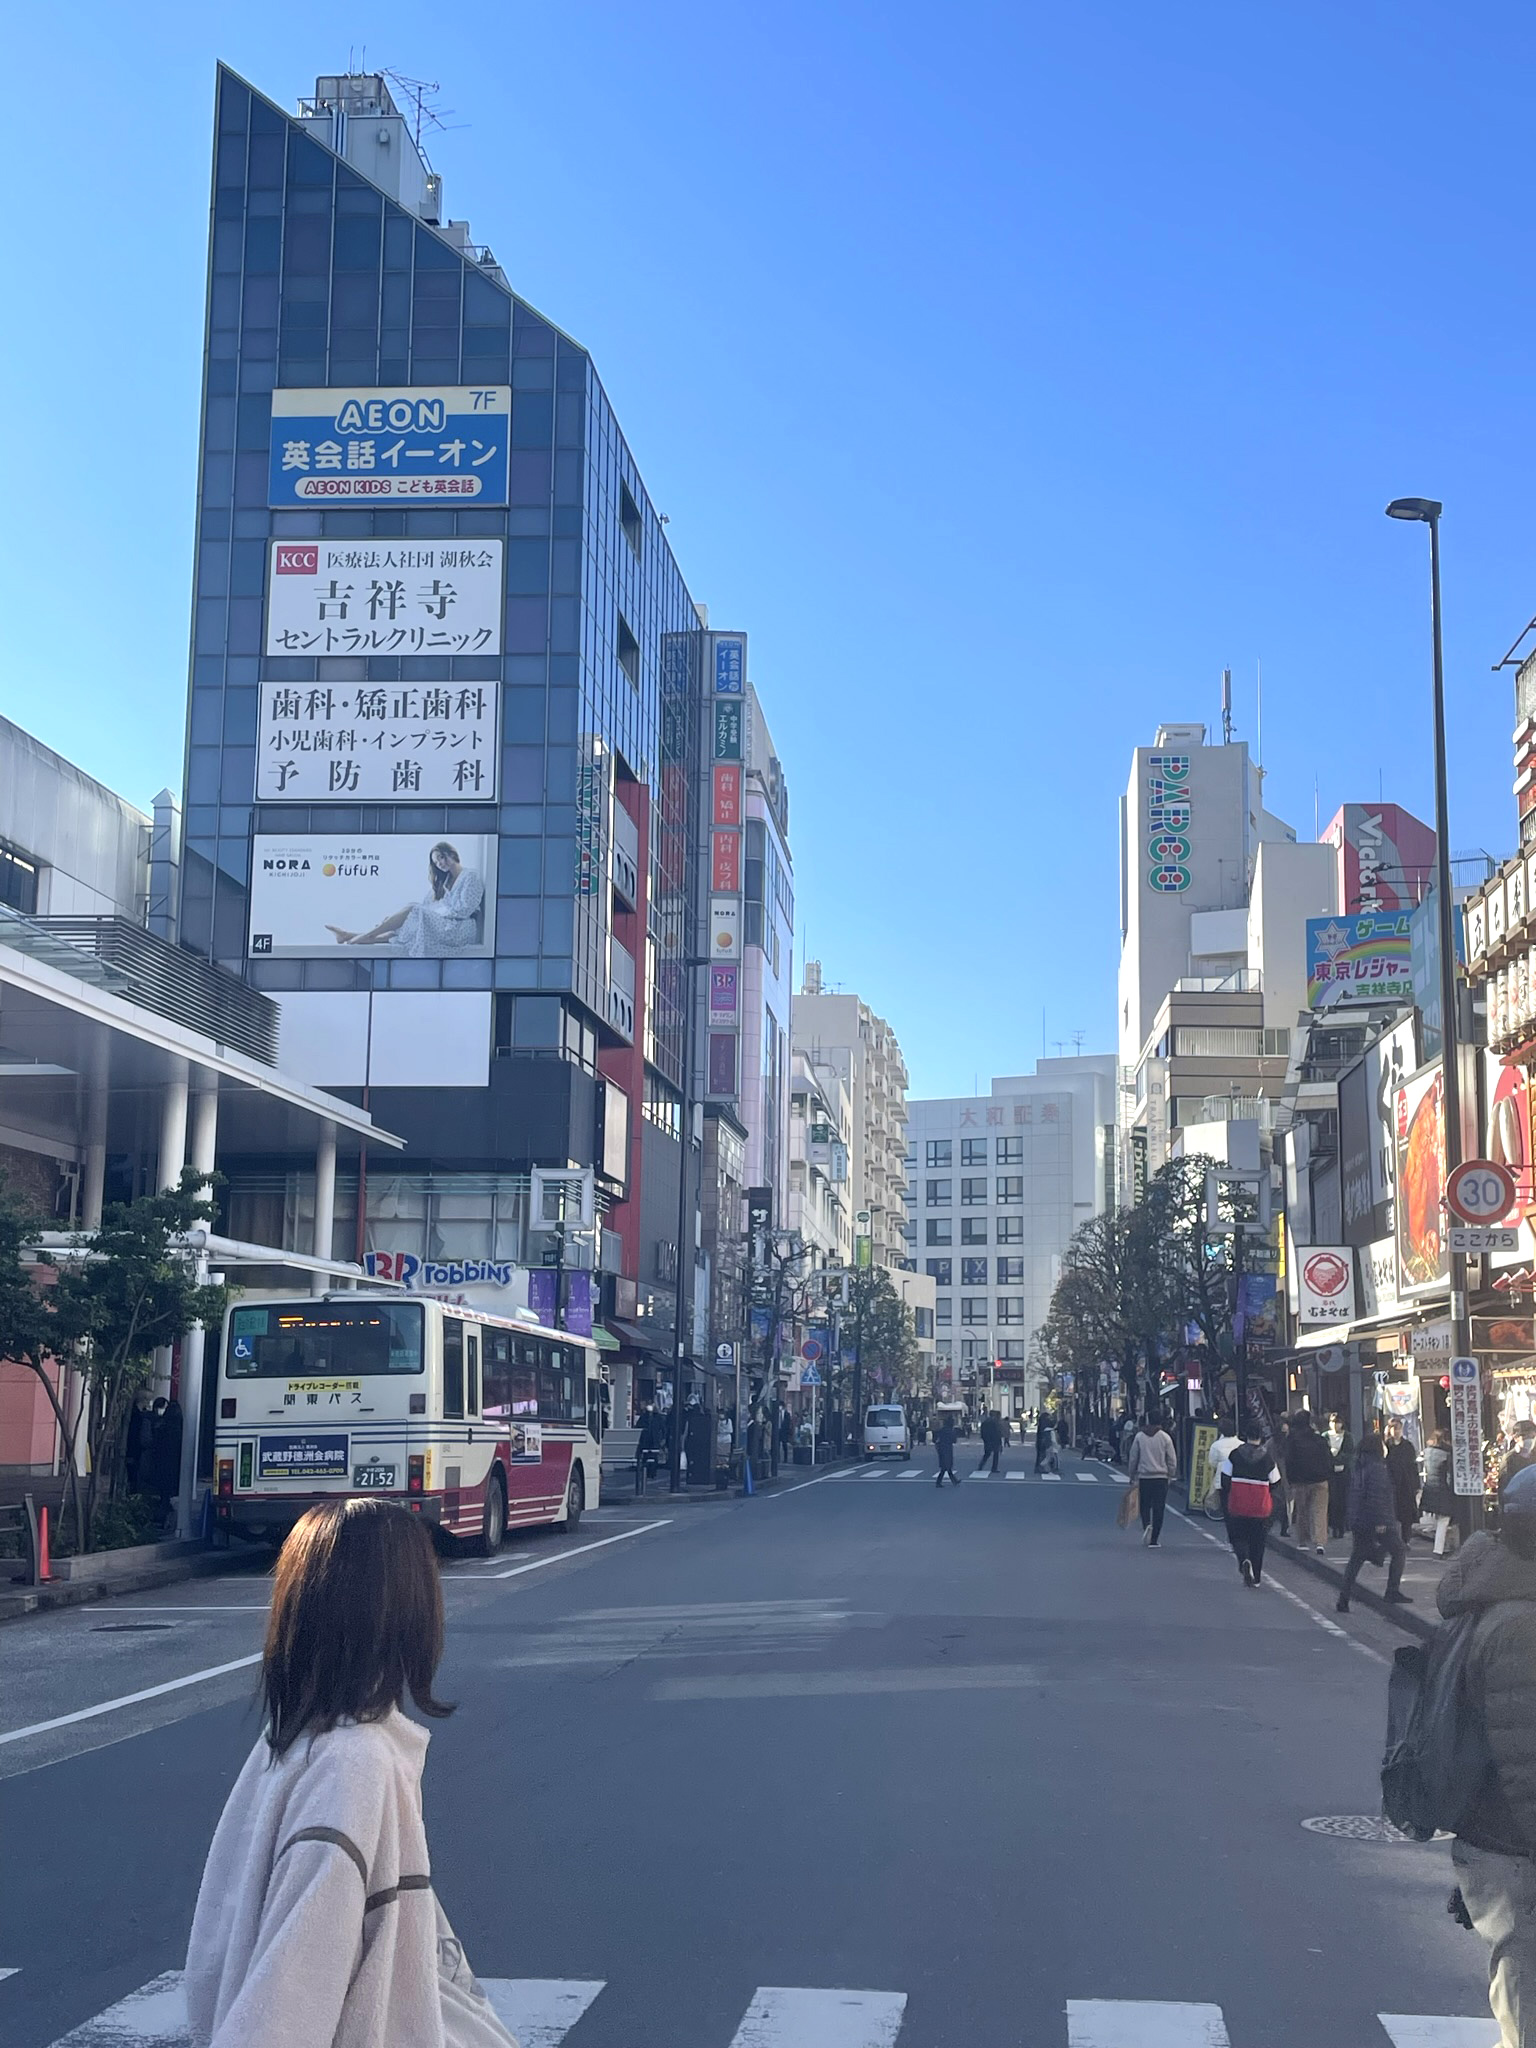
449, 923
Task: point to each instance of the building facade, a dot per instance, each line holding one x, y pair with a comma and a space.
452, 731
839, 1032
998, 1184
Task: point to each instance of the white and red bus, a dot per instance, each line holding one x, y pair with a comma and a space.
476, 1422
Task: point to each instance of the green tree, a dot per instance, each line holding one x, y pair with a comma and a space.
884, 1336
129, 1288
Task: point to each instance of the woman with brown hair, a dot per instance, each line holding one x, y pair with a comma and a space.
316, 1924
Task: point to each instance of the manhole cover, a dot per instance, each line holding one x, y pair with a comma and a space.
1356, 1827
138, 1628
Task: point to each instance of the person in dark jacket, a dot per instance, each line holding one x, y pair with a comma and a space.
1403, 1464
1308, 1469
1249, 1476
1373, 1525
1044, 1443
1341, 1449
1495, 1847
141, 1429
944, 1444
160, 1473
991, 1441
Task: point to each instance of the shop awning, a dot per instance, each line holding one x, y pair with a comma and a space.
603, 1339
640, 1337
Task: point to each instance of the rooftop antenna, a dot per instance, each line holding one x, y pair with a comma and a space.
1226, 707
416, 91
1077, 1042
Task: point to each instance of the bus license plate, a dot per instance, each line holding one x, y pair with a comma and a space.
376, 1476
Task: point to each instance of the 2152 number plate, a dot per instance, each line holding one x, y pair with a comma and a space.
368, 1478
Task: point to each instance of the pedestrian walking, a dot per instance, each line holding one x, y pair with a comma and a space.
991, 1441
1249, 1476
1153, 1468
1308, 1468
136, 1446
1375, 1537
944, 1443
316, 1922
786, 1437
1341, 1448
1494, 1852
1522, 1452
1403, 1464
1045, 1446
160, 1472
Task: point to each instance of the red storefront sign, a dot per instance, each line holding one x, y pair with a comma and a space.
725, 866
727, 793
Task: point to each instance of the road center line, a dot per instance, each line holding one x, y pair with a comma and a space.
131, 1699
540, 1563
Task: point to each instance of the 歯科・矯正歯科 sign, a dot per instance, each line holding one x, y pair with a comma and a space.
438, 444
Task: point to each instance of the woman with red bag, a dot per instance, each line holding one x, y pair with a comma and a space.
1248, 1472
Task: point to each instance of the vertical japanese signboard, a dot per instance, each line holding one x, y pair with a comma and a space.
727, 729
722, 992
722, 1063
440, 444
1466, 1428
725, 862
730, 667
727, 810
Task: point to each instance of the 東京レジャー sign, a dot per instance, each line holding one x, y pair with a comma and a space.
439, 445
1361, 959
379, 597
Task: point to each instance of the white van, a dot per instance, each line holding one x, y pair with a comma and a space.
886, 1434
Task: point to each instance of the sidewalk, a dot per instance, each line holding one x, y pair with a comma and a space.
1421, 1575
102, 1573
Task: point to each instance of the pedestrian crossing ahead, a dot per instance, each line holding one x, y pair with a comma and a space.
875, 1475
541, 2011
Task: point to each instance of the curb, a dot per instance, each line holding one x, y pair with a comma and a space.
1410, 1620
703, 1496
18, 1602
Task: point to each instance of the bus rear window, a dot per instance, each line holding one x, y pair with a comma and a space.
329, 1340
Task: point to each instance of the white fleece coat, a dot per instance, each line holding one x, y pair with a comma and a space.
316, 1924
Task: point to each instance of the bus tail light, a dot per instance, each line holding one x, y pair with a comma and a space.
415, 1475
226, 1477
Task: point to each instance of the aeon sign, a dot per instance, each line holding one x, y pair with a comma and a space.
1168, 816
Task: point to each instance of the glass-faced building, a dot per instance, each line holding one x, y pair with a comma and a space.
446, 763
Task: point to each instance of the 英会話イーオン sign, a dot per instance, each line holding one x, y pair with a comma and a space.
442, 444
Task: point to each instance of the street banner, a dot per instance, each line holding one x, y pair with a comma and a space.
1466, 1429
1199, 1470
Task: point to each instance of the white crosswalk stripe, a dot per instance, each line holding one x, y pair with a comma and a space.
1087, 1478
541, 2011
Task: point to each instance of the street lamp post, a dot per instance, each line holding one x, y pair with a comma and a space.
689, 965
1427, 512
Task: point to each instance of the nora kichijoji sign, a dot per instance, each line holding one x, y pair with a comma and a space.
1169, 812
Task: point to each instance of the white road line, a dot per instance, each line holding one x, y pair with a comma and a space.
783, 2018
150, 1607
1143, 2023
847, 1472
1273, 1584
831, 1685
130, 1699
154, 2016
1056, 1476
15, 1972
602, 1543
540, 2011
1087, 1478
1426, 2030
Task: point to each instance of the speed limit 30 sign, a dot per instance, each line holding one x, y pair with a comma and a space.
1480, 1191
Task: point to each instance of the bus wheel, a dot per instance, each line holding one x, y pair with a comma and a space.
575, 1498
494, 1527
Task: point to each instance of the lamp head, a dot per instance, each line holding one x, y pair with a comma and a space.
1427, 509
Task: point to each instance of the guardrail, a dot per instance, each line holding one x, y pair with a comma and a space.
21, 1519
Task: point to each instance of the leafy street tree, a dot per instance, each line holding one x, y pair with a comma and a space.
121, 1293
883, 1332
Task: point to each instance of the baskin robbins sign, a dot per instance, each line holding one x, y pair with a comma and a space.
438, 1276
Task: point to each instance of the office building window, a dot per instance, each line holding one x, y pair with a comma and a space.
1010, 1187
1010, 1151
973, 1151
974, 1191
922, 1322
627, 648
973, 1229
1010, 1272
629, 517
1010, 1229
973, 1308
944, 1312
940, 1230
1010, 1308
944, 1351
1012, 1351
973, 1272
939, 1194
941, 1272
941, 1152
18, 882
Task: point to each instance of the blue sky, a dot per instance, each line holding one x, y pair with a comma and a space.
1005, 371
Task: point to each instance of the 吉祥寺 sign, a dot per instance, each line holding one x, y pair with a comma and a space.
440, 445
396, 595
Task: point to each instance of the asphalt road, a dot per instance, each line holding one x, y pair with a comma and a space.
975, 1756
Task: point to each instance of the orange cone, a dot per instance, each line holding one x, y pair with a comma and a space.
44, 1569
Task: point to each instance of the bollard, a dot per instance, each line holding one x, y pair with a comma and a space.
44, 1569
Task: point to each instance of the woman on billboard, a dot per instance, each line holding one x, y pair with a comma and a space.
446, 920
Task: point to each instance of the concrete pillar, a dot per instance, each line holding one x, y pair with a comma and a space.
93, 1181
325, 1202
205, 1139
173, 1128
